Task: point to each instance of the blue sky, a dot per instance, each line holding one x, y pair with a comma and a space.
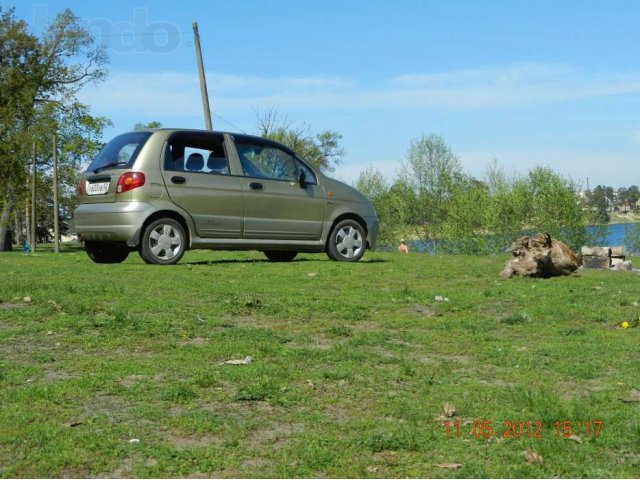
526, 82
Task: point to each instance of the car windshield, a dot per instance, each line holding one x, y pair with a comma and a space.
120, 152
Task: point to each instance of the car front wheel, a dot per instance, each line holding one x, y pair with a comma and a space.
163, 242
347, 242
101, 252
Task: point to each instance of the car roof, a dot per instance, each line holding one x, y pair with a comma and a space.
198, 130
235, 135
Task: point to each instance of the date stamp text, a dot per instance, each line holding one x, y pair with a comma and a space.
528, 428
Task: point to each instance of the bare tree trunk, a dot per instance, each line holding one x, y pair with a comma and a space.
18, 228
5, 219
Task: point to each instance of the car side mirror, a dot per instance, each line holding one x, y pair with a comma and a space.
302, 181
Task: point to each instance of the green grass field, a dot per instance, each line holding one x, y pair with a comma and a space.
115, 370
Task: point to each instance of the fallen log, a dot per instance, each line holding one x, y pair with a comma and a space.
540, 256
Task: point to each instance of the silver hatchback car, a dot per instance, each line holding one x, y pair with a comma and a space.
162, 192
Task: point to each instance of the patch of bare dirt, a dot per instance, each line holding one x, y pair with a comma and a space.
237, 408
365, 326
132, 380
11, 306
111, 406
440, 357
424, 310
125, 470
257, 464
242, 321
274, 436
384, 353
196, 341
338, 414
185, 443
230, 472
497, 383
52, 376
318, 342
499, 308
571, 389
206, 475
402, 343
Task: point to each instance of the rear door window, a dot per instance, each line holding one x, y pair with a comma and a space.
196, 153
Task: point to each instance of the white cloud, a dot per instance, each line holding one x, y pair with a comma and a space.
577, 165
176, 94
612, 169
348, 172
509, 75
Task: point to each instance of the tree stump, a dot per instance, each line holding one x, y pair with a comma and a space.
540, 256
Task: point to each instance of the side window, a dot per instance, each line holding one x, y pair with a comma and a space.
271, 162
197, 153
309, 176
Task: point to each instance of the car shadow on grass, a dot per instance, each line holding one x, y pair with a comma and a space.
266, 260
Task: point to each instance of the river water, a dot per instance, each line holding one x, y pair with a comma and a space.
613, 235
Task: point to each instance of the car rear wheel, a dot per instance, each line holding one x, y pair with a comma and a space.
163, 242
101, 252
347, 242
280, 255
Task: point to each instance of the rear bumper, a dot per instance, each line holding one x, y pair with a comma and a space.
372, 231
111, 222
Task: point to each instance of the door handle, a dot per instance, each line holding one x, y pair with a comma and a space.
256, 186
178, 179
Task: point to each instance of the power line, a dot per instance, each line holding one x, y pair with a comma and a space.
140, 34
229, 123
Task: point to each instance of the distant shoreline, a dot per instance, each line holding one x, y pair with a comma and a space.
623, 218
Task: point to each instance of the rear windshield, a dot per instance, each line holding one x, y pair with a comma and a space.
120, 152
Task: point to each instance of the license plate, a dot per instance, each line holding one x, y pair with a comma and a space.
98, 188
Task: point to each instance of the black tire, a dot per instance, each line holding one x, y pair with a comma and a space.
101, 252
347, 241
280, 255
163, 242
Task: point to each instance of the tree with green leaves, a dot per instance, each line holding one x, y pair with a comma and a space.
435, 200
40, 78
393, 204
433, 173
466, 227
628, 197
553, 205
321, 150
145, 126
598, 204
78, 138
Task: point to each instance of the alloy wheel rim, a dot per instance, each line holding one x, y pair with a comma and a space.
165, 242
349, 242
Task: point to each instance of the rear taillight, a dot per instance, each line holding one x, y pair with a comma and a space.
80, 182
129, 181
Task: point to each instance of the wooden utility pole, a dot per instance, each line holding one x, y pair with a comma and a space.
56, 227
203, 81
27, 223
33, 201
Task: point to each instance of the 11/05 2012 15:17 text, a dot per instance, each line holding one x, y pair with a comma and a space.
527, 428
